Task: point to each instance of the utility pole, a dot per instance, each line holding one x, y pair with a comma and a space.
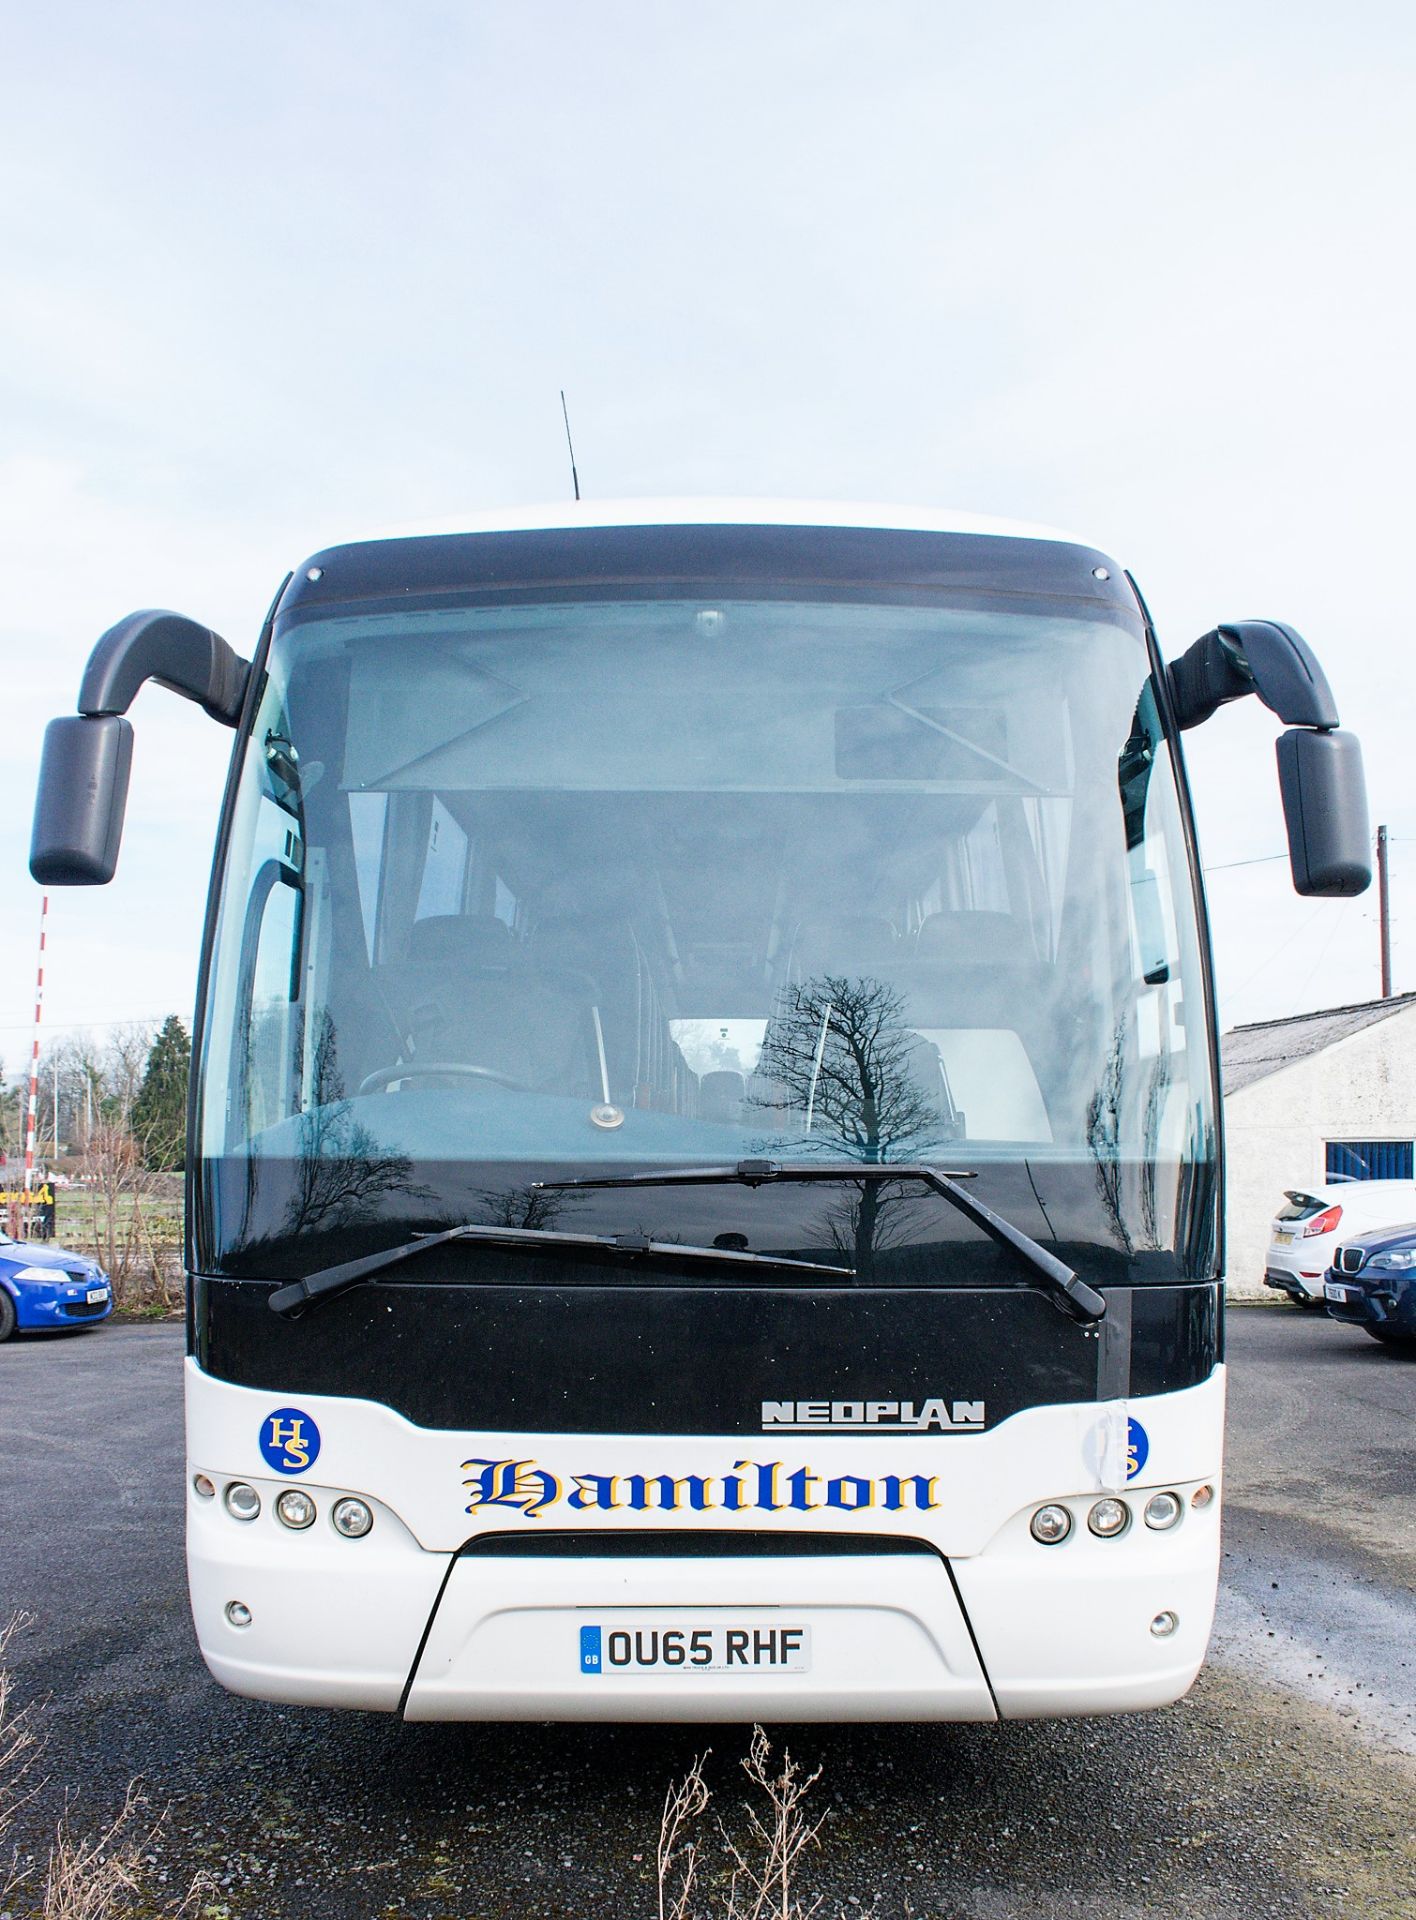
1384, 910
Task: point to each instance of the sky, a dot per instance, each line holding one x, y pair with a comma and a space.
281, 275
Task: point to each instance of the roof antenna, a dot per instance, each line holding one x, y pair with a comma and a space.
575, 477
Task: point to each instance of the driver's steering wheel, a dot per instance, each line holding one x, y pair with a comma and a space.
425, 1069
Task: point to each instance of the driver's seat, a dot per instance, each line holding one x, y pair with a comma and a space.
475, 1000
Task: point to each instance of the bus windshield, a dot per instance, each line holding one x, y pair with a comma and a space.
515, 890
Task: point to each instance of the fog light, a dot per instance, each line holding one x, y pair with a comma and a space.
1164, 1624
242, 1502
1202, 1496
352, 1518
1051, 1525
1163, 1510
1108, 1518
238, 1613
201, 1485
295, 1509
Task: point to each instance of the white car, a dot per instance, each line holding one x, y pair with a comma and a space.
1308, 1227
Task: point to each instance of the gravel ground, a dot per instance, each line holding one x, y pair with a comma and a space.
1282, 1786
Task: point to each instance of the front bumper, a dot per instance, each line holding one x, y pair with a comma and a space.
969, 1618
62, 1303
1374, 1300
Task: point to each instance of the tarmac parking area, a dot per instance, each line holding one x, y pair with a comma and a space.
1283, 1785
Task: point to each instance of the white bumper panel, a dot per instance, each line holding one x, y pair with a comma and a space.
334, 1622
887, 1639
1063, 1629
1067, 1629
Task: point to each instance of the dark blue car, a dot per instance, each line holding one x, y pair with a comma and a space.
44, 1286
1372, 1284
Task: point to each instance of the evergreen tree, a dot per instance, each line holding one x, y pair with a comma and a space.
160, 1110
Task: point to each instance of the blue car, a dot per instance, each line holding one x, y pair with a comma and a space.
45, 1286
1372, 1284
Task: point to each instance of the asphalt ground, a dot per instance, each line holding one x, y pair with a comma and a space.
1283, 1785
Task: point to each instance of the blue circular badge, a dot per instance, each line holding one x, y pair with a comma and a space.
290, 1440
1138, 1448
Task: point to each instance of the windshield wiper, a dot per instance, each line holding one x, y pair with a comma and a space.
1066, 1291
328, 1281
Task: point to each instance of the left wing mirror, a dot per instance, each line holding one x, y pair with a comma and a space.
83, 775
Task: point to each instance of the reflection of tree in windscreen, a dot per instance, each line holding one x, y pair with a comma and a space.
864, 1086
1106, 1129
1157, 1094
530, 1208
1104, 1133
341, 1171
1135, 768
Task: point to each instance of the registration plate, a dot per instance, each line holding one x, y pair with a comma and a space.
1334, 1292
695, 1648
1282, 1239
95, 1294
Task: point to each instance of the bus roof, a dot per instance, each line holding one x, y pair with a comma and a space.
726, 513
597, 543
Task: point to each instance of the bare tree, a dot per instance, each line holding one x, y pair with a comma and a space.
82, 1068
342, 1170
867, 1086
127, 1052
527, 1207
117, 1193
842, 1052
110, 1211
1104, 1134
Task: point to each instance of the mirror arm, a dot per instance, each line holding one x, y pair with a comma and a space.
1252, 656
175, 652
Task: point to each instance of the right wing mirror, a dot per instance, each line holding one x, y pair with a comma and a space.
1319, 767
1325, 809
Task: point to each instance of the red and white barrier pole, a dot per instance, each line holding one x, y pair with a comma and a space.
34, 1055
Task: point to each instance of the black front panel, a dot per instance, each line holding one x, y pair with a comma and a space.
267, 1216
1177, 1337
685, 1360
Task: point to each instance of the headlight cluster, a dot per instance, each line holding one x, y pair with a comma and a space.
1108, 1519
294, 1508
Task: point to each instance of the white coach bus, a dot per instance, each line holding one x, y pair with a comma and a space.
705, 1169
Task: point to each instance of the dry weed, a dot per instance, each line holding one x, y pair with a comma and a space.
19, 1746
677, 1855
98, 1878
763, 1883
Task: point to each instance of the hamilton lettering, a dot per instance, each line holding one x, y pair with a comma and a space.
753, 1486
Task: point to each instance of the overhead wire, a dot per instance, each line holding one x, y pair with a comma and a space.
1260, 860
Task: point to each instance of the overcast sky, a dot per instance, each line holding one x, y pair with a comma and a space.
282, 274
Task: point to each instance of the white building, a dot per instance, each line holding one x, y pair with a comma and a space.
1315, 1097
